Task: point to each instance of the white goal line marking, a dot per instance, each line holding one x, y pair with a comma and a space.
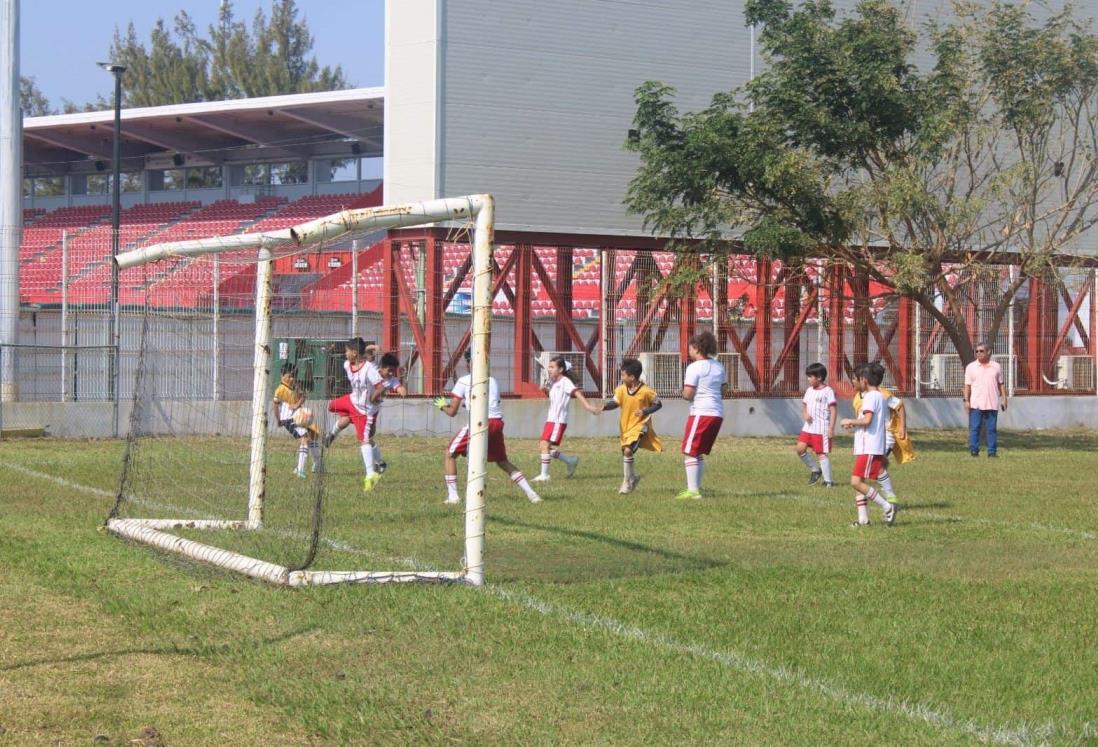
940, 719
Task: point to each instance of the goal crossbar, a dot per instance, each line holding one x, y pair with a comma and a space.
153, 532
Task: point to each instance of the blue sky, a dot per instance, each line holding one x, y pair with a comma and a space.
63, 39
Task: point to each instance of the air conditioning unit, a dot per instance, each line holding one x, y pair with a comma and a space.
663, 372
578, 361
731, 363
946, 372
1075, 372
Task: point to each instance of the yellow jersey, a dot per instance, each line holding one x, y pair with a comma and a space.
636, 427
903, 449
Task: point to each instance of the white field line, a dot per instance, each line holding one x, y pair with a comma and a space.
920, 712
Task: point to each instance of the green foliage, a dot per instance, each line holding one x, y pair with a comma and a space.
32, 101
843, 146
179, 65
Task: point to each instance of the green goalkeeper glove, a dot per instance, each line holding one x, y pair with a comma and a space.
440, 402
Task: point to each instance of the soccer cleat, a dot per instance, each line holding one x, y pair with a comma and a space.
815, 477
626, 487
370, 481
890, 514
633, 482
572, 463
452, 501
301, 474
380, 467
860, 524
688, 495
329, 439
827, 484
533, 497
540, 478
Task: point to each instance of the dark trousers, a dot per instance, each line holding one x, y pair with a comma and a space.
976, 419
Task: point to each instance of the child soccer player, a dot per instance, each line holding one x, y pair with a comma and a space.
818, 408
289, 399
367, 355
561, 389
896, 438
459, 444
702, 389
637, 401
869, 443
388, 372
355, 407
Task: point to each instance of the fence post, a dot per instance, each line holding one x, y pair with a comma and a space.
354, 288
1011, 360
917, 363
216, 327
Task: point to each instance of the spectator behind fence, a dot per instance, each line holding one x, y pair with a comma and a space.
984, 397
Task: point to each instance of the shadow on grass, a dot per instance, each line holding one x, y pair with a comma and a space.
198, 651
956, 441
694, 563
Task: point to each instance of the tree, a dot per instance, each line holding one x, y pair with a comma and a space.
233, 61
34, 102
844, 146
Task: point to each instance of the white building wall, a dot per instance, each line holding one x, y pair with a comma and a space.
411, 100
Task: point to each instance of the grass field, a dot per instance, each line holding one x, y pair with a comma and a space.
754, 616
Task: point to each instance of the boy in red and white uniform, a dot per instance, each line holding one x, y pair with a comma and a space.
561, 389
702, 386
818, 408
869, 443
459, 444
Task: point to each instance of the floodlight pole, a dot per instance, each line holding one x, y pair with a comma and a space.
11, 192
116, 217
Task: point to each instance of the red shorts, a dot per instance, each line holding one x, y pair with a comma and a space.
867, 466
363, 423
700, 434
497, 448
554, 433
818, 442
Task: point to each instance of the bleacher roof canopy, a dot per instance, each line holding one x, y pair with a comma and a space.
294, 127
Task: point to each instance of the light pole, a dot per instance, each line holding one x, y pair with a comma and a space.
116, 210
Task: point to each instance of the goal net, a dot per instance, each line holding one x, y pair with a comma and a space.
215, 471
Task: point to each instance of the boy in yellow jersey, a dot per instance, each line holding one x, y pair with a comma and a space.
897, 442
637, 401
291, 414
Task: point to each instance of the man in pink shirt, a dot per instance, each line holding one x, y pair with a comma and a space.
984, 397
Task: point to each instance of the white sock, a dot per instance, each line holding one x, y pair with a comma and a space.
628, 468
520, 479
878, 499
302, 455
863, 510
825, 467
809, 460
368, 458
452, 488
693, 473
885, 481
546, 459
314, 452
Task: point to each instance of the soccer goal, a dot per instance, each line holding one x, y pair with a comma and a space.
192, 488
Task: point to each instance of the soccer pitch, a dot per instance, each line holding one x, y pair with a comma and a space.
754, 616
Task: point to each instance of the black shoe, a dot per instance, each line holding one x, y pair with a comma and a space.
992, 456
826, 484
860, 524
814, 477
380, 467
328, 440
974, 453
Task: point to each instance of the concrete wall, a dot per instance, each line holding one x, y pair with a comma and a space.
743, 417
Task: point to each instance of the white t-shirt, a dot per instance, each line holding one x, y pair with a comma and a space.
818, 401
362, 382
870, 439
465, 383
392, 383
560, 397
707, 378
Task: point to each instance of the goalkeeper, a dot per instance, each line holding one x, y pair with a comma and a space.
459, 444
638, 402
291, 414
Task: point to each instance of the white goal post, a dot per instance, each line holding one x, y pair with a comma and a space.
154, 532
